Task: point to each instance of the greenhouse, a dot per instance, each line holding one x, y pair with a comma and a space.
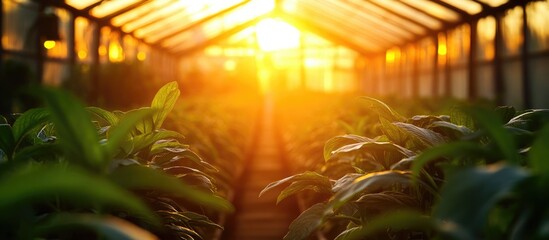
274, 119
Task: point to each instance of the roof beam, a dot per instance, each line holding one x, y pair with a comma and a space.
316, 29
221, 36
376, 14
443, 21
124, 10
204, 20
488, 12
482, 4
462, 13
380, 34
399, 15
93, 5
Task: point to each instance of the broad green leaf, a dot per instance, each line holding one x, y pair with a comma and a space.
37, 150
370, 183
298, 186
397, 135
164, 101
426, 120
339, 141
505, 113
7, 142
143, 178
426, 136
386, 201
121, 131
306, 223
475, 191
345, 181
33, 183
106, 226
494, 127
539, 153
370, 148
530, 120
383, 110
458, 130
396, 220
310, 177
110, 118
75, 131
28, 121
146, 140
448, 150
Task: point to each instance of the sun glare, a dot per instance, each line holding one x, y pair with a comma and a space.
273, 34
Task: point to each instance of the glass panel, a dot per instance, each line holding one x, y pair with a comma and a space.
59, 49
80, 4
494, 3
140, 12
458, 45
468, 6
18, 19
511, 29
83, 33
538, 22
349, 29
486, 32
409, 12
129, 44
434, 9
383, 14
168, 11
365, 19
109, 7
104, 44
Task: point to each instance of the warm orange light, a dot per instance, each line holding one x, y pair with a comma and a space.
442, 50
230, 65
273, 34
102, 50
390, 56
141, 56
49, 44
116, 54
82, 54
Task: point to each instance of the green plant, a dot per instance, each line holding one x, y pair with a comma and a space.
427, 176
61, 170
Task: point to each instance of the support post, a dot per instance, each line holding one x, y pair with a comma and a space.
524, 60
471, 66
499, 83
94, 70
435, 68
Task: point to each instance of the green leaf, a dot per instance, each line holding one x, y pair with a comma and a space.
37, 150
539, 153
494, 127
28, 121
396, 220
121, 131
298, 186
322, 182
34, 183
530, 120
370, 148
164, 101
339, 141
505, 113
75, 131
306, 223
383, 110
345, 181
457, 130
105, 226
143, 178
370, 183
110, 118
7, 142
448, 150
146, 140
469, 194
428, 137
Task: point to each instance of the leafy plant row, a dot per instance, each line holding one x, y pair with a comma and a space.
73, 172
480, 174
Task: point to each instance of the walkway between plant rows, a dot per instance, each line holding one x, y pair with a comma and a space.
260, 218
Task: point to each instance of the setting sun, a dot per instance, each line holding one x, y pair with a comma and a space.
274, 34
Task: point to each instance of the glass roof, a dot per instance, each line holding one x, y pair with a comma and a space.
367, 26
